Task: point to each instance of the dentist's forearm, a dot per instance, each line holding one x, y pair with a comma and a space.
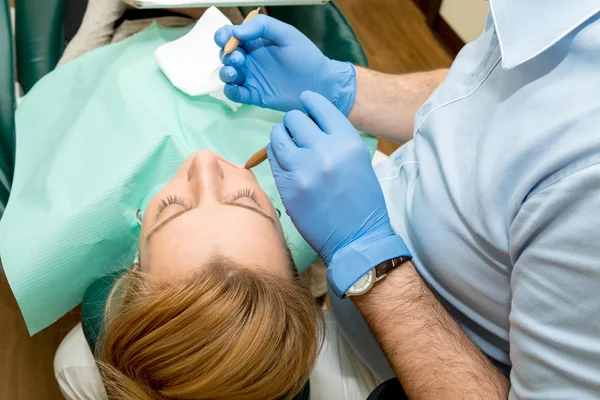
386, 104
431, 355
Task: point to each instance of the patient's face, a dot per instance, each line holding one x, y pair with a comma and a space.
211, 208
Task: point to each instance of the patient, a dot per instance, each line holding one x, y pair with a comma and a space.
214, 309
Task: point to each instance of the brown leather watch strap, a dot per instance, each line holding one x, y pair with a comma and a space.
389, 265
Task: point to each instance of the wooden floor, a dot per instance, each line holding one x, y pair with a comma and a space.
396, 40
26, 371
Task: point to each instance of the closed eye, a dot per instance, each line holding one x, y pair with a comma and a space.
249, 193
166, 202
245, 193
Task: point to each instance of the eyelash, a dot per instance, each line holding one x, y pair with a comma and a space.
246, 193
179, 200
167, 202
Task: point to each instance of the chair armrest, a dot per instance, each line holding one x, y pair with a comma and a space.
39, 33
7, 104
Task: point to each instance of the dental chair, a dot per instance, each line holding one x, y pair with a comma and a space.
40, 27
7, 104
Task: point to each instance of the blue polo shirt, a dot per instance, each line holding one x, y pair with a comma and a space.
498, 194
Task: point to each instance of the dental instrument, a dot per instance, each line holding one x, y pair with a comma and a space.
257, 158
234, 42
260, 156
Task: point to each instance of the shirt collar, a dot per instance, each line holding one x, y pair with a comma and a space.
526, 28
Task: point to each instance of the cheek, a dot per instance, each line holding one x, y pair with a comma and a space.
276, 213
278, 228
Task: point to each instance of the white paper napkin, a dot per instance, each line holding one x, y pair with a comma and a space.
191, 62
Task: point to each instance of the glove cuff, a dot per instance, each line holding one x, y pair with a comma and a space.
353, 261
343, 85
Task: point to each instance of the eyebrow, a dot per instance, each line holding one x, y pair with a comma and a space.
180, 213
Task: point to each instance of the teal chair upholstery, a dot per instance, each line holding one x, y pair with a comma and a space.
40, 43
7, 104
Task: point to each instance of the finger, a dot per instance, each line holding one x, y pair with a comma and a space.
251, 45
241, 94
302, 129
276, 169
231, 75
266, 28
325, 113
223, 34
235, 59
282, 146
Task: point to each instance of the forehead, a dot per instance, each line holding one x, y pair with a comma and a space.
191, 240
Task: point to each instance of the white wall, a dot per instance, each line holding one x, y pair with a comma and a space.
466, 17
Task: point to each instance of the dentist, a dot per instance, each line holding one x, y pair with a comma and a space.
473, 252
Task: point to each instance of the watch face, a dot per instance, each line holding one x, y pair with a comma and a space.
363, 285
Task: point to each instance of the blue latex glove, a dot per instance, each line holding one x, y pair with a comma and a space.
324, 175
275, 63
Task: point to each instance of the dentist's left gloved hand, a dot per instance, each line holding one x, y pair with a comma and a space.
324, 175
275, 63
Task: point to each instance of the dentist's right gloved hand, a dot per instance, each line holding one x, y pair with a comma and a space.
275, 63
324, 175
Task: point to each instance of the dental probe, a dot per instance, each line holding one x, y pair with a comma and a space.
260, 156
234, 42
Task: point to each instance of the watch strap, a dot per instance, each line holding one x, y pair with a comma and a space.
352, 262
388, 265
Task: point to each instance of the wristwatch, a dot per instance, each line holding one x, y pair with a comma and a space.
354, 269
368, 280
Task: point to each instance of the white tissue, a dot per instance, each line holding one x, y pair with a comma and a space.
191, 62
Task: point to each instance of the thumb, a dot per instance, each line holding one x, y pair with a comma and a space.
325, 114
275, 167
264, 27
281, 176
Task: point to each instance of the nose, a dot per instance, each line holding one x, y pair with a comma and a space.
205, 174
